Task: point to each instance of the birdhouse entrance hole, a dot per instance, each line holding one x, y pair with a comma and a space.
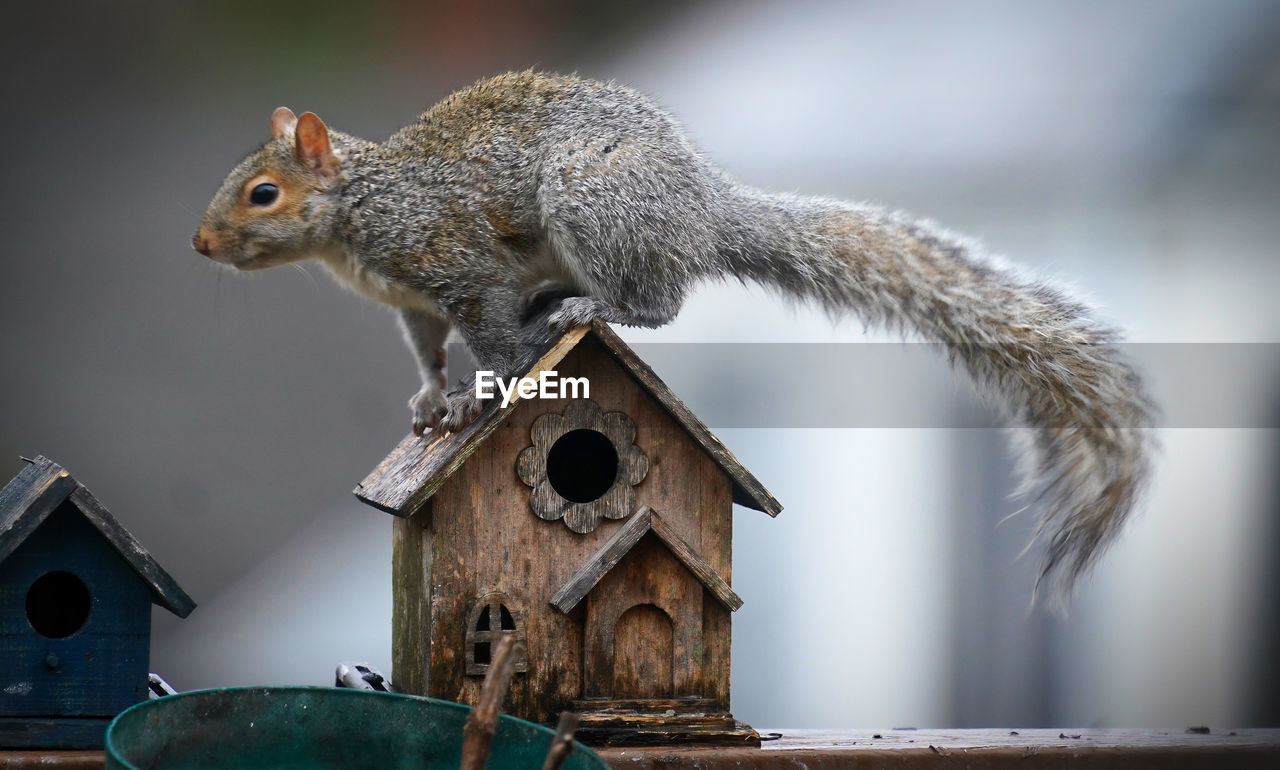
58, 604
582, 465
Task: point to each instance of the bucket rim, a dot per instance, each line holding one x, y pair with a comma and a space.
342, 692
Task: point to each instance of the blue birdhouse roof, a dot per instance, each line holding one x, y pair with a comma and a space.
40, 488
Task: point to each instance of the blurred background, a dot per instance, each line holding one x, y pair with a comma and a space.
1130, 148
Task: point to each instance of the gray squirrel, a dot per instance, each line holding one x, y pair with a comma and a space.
531, 203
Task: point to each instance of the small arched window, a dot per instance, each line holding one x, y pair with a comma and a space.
493, 616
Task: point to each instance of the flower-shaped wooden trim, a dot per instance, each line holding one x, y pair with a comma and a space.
618, 501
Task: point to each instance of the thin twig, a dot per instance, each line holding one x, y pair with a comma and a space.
562, 744
482, 722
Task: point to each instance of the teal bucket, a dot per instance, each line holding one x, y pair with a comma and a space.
287, 727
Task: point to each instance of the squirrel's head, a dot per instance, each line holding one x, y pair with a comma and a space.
273, 208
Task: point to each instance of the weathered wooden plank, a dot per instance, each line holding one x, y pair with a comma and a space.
643, 653
1024, 738
663, 730
718, 586
1021, 749
462, 508
643, 522
486, 537
748, 491
57, 760
657, 720
28, 499
644, 622
604, 560
52, 733
165, 591
417, 467
675, 705
717, 549
618, 500
90, 662
410, 603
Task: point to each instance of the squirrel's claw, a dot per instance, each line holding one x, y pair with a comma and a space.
463, 408
429, 408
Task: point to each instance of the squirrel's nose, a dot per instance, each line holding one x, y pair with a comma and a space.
200, 242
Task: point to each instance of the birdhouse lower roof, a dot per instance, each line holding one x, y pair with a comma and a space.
645, 521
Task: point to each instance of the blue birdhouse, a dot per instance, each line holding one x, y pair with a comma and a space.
76, 591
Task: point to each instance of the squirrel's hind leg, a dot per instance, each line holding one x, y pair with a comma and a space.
490, 325
577, 311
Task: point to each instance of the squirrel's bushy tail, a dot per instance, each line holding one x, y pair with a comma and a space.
1049, 365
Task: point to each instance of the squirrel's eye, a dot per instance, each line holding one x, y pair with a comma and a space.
264, 194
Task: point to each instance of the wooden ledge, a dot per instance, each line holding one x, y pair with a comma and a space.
977, 749
817, 749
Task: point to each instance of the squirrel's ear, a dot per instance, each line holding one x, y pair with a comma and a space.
312, 148
282, 122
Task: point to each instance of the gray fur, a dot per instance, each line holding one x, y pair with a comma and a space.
529, 186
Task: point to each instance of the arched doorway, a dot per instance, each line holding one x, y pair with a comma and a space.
643, 653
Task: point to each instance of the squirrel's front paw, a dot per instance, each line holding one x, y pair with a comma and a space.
429, 408
574, 312
463, 407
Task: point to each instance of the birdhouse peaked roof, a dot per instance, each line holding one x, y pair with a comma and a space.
416, 468
28, 499
645, 521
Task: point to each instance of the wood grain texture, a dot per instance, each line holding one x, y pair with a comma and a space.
648, 576
483, 536
165, 591
100, 668
684, 721
604, 560
589, 574
1090, 749
618, 501
693, 561
716, 546
491, 606
410, 602
28, 498
661, 730
39, 488
747, 489
54, 733
59, 760
689, 705
417, 467
643, 653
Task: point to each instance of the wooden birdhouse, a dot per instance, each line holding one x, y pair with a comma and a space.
596, 527
76, 591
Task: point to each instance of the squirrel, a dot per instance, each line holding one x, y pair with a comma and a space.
530, 203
